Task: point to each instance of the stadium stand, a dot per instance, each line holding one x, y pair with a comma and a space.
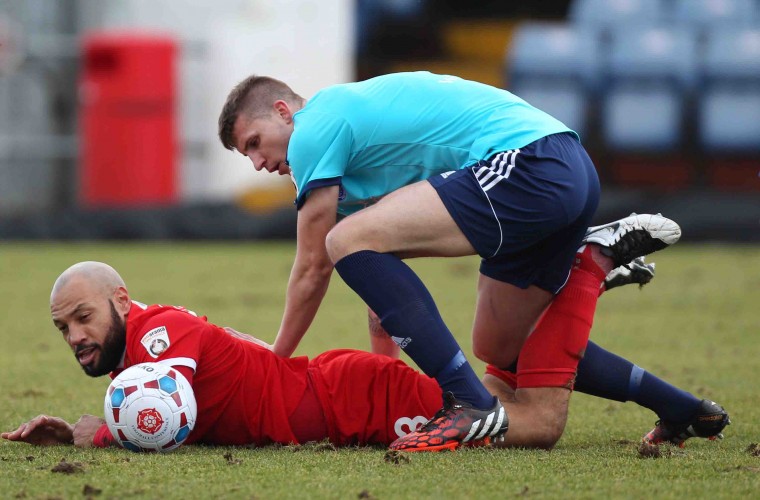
650, 76
610, 14
555, 67
729, 107
706, 14
670, 93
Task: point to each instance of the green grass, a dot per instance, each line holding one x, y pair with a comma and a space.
696, 325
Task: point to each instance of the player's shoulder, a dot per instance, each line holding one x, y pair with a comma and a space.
158, 327
153, 320
145, 313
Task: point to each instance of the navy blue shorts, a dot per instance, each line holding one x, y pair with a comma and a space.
525, 211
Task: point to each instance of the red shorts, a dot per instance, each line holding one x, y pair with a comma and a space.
369, 398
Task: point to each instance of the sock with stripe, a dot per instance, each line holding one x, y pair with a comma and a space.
607, 375
408, 313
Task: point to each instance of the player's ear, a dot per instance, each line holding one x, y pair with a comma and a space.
282, 108
122, 301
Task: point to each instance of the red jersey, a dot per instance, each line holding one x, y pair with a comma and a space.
246, 394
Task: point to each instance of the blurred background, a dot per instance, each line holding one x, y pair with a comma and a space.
108, 109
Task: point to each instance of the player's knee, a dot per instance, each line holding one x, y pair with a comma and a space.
548, 410
336, 243
548, 434
347, 237
493, 355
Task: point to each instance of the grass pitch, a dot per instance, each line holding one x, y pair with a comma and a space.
696, 325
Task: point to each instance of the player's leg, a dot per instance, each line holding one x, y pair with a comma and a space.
637, 272
512, 211
366, 247
409, 222
604, 374
681, 414
505, 315
371, 399
503, 382
549, 358
379, 340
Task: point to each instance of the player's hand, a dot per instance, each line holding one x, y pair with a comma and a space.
246, 337
85, 429
43, 430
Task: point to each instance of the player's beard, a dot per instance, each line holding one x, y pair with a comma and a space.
112, 349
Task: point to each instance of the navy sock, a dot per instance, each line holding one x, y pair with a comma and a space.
408, 313
607, 375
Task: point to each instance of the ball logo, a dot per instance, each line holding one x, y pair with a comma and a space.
149, 421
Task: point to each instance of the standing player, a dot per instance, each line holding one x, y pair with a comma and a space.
432, 165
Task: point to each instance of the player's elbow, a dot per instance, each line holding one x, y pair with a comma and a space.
317, 271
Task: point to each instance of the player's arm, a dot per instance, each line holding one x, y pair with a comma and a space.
311, 270
91, 431
44, 430
379, 340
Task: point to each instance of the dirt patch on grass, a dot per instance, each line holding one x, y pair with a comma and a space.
396, 457
65, 467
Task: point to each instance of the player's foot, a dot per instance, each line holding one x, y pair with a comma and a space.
633, 236
708, 422
637, 271
455, 425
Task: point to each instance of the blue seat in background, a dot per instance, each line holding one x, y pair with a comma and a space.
555, 67
729, 114
643, 119
706, 14
608, 14
649, 77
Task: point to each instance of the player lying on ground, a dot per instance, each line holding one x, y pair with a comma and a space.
245, 393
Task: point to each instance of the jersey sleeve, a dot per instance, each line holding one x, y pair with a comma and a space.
103, 438
172, 338
318, 152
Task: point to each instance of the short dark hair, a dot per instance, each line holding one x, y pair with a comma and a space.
252, 97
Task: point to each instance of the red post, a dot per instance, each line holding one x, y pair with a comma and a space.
128, 133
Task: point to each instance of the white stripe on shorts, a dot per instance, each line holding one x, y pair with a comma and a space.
489, 176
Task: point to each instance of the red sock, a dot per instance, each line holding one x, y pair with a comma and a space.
550, 355
584, 260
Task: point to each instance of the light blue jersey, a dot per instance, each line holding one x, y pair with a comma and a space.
375, 136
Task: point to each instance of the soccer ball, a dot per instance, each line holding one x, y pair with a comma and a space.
150, 407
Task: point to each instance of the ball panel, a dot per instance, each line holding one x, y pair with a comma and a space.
150, 407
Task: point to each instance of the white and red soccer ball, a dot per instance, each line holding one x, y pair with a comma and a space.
150, 407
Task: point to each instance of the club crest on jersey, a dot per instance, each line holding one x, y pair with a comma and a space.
156, 341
